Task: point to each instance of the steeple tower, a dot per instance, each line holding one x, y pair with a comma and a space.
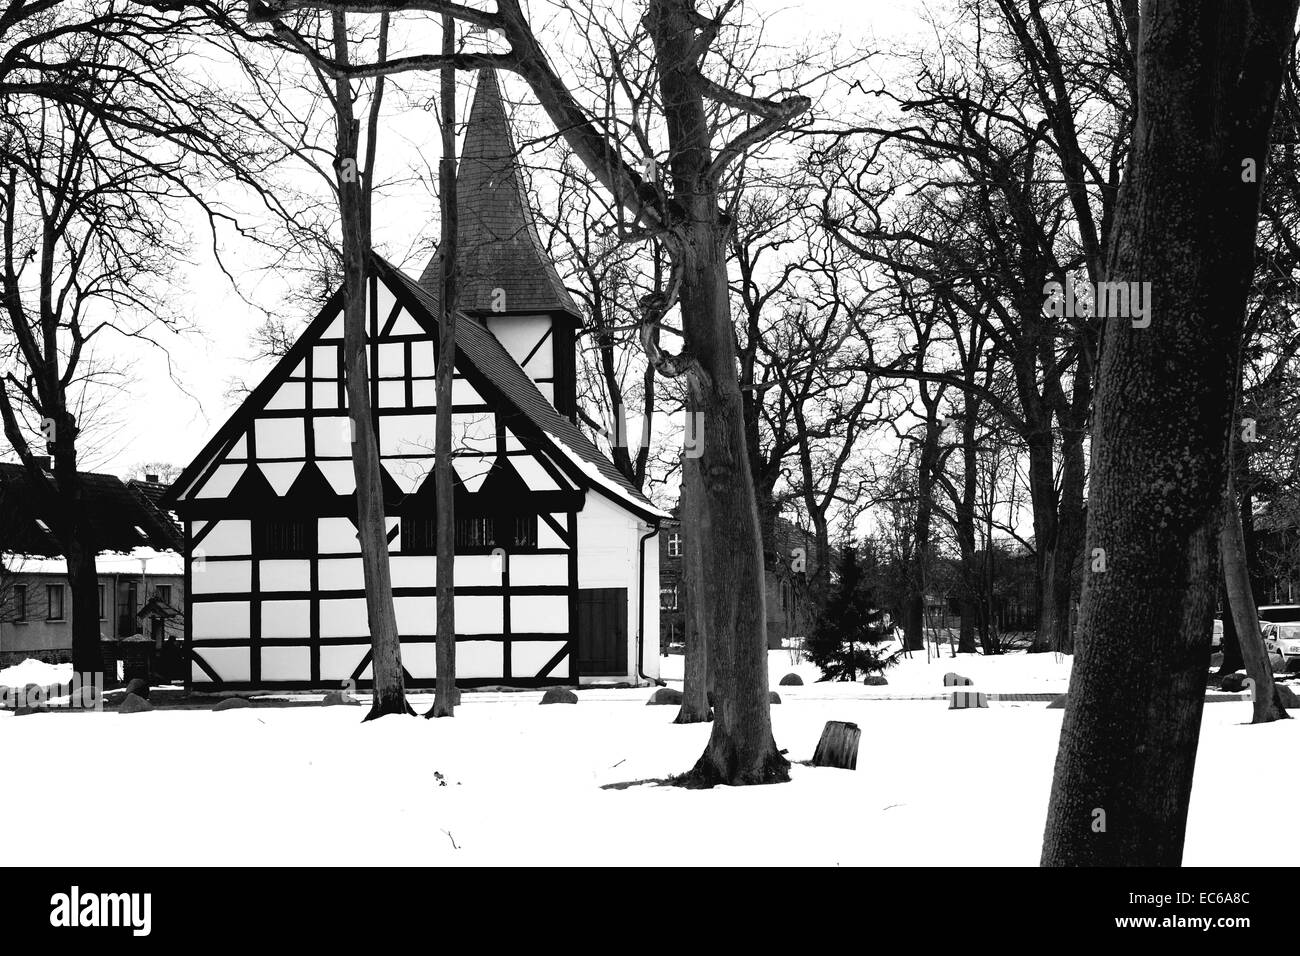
507, 281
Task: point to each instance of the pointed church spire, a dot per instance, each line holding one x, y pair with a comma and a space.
503, 264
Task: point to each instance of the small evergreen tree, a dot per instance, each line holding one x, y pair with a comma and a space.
849, 627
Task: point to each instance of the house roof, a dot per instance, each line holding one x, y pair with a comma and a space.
497, 244
152, 493
117, 517
478, 347
490, 357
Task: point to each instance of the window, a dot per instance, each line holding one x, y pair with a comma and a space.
668, 598
20, 602
54, 602
164, 593
103, 603
675, 545
496, 531
525, 531
475, 532
419, 534
284, 538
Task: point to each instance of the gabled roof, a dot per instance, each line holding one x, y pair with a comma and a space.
478, 352
152, 494
486, 353
115, 514
497, 245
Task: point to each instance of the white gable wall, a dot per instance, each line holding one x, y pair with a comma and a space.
608, 538
264, 619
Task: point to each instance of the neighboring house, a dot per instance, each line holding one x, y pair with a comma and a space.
551, 574
138, 562
788, 605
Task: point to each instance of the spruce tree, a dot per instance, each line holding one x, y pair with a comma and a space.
844, 641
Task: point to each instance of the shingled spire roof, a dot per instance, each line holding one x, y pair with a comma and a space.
498, 246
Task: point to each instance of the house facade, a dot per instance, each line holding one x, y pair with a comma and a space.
788, 607
138, 560
552, 580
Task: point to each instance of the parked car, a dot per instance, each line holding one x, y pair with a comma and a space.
1284, 639
1216, 636
1280, 613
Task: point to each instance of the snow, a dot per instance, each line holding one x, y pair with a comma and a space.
106, 562
611, 488
1011, 673
309, 785
32, 671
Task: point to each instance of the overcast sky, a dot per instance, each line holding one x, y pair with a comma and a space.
173, 403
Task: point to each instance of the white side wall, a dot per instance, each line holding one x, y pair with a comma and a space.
607, 558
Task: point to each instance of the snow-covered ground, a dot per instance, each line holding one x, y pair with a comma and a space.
524, 783
32, 671
1017, 673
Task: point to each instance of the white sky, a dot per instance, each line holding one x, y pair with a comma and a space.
168, 416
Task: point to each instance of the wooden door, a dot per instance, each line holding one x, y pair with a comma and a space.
602, 632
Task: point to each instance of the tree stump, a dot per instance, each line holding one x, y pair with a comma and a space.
838, 746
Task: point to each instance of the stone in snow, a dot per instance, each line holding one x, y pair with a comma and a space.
665, 695
133, 704
559, 695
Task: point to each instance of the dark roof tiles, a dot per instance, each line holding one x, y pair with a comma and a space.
115, 513
497, 245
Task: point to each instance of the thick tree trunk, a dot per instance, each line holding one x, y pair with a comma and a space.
79, 550
695, 688
741, 749
1236, 578
385, 644
444, 698
1208, 79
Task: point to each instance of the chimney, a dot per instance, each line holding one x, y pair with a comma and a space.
151, 479
42, 462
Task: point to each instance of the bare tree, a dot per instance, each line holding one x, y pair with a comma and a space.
444, 700
685, 210
1208, 80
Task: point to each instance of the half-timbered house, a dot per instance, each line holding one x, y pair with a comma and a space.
553, 583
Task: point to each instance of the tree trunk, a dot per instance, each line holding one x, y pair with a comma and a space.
1069, 538
966, 532
79, 550
1236, 578
1209, 73
386, 649
1232, 659
914, 619
741, 749
444, 697
695, 688
1042, 493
